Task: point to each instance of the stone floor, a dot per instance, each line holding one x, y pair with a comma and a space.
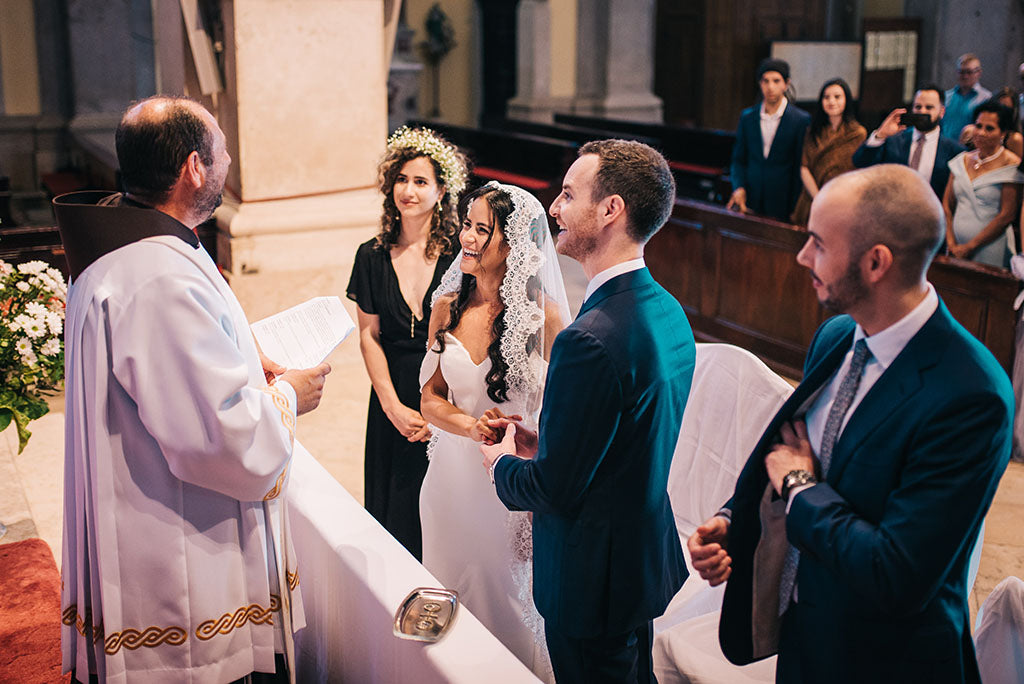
31, 482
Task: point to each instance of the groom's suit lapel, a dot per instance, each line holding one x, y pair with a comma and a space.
620, 283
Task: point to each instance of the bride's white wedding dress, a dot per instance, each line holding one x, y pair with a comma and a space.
471, 542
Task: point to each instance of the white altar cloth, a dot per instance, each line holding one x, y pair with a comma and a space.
353, 575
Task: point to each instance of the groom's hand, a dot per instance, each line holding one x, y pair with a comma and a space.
526, 439
507, 445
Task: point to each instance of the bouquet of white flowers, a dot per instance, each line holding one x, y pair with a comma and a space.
32, 298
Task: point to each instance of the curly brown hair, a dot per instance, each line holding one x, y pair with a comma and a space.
444, 223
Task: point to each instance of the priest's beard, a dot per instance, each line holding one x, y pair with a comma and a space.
209, 198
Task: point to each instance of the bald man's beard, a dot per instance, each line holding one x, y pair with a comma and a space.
209, 198
848, 291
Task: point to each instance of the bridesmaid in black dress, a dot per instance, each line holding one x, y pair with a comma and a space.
393, 278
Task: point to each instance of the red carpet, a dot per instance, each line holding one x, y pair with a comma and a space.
29, 614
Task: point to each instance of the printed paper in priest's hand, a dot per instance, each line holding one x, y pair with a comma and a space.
303, 336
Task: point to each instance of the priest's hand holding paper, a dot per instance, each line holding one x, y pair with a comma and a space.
308, 384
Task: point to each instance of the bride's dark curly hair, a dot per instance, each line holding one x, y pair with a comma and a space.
501, 207
444, 222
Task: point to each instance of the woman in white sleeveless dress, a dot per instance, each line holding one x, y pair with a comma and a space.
493, 320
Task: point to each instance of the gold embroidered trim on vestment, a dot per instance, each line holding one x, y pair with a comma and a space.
275, 602
276, 490
149, 637
281, 402
293, 579
71, 618
227, 622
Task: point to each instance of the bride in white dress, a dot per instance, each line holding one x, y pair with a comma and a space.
494, 317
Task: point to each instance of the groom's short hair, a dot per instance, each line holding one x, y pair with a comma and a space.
640, 176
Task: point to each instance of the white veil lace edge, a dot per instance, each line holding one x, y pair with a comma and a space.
532, 288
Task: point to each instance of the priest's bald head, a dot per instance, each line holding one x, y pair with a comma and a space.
873, 233
173, 157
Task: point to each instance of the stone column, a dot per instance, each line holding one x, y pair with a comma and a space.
615, 60
305, 113
533, 101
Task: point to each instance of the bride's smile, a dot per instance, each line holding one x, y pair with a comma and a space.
481, 253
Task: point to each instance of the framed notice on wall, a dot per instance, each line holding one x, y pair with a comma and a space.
811, 63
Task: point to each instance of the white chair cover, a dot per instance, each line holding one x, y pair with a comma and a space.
733, 397
999, 638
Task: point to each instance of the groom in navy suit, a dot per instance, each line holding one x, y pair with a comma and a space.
606, 554
847, 541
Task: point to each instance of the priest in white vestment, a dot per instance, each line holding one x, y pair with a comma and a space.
176, 562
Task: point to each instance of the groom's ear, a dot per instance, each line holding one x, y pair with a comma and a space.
612, 207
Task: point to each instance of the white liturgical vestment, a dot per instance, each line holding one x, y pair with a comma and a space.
176, 461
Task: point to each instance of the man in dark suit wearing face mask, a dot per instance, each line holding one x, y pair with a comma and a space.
922, 147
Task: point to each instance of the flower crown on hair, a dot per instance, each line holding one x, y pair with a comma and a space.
424, 140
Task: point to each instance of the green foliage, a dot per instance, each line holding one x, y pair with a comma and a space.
32, 299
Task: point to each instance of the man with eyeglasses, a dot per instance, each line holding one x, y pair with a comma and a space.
962, 98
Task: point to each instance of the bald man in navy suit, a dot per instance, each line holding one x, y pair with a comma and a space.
847, 540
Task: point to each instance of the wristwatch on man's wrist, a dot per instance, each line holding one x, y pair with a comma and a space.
796, 478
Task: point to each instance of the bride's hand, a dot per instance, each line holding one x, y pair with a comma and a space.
480, 431
494, 414
526, 439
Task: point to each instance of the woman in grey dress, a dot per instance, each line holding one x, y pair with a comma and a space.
984, 189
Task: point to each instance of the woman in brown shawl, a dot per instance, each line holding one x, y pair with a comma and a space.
832, 138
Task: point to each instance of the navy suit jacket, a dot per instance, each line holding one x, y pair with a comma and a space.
896, 150
606, 553
773, 184
885, 542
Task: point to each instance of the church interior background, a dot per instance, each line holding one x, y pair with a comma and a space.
307, 90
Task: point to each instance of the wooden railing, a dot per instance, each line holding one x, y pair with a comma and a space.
737, 278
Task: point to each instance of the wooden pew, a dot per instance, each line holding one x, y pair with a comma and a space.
577, 134
535, 163
20, 244
737, 278
699, 157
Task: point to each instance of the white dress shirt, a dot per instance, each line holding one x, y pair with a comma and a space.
885, 346
609, 273
931, 148
770, 125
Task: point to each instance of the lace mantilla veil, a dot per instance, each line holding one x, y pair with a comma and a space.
532, 288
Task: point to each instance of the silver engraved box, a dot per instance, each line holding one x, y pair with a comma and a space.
426, 614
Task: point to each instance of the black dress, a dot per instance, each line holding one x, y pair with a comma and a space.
394, 467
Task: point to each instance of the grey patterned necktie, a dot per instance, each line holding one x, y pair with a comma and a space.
829, 437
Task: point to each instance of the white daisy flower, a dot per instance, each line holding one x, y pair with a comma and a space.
19, 322
22, 285
6, 268
35, 309
32, 267
35, 328
57, 276
29, 358
55, 322
51, 347
23, 346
